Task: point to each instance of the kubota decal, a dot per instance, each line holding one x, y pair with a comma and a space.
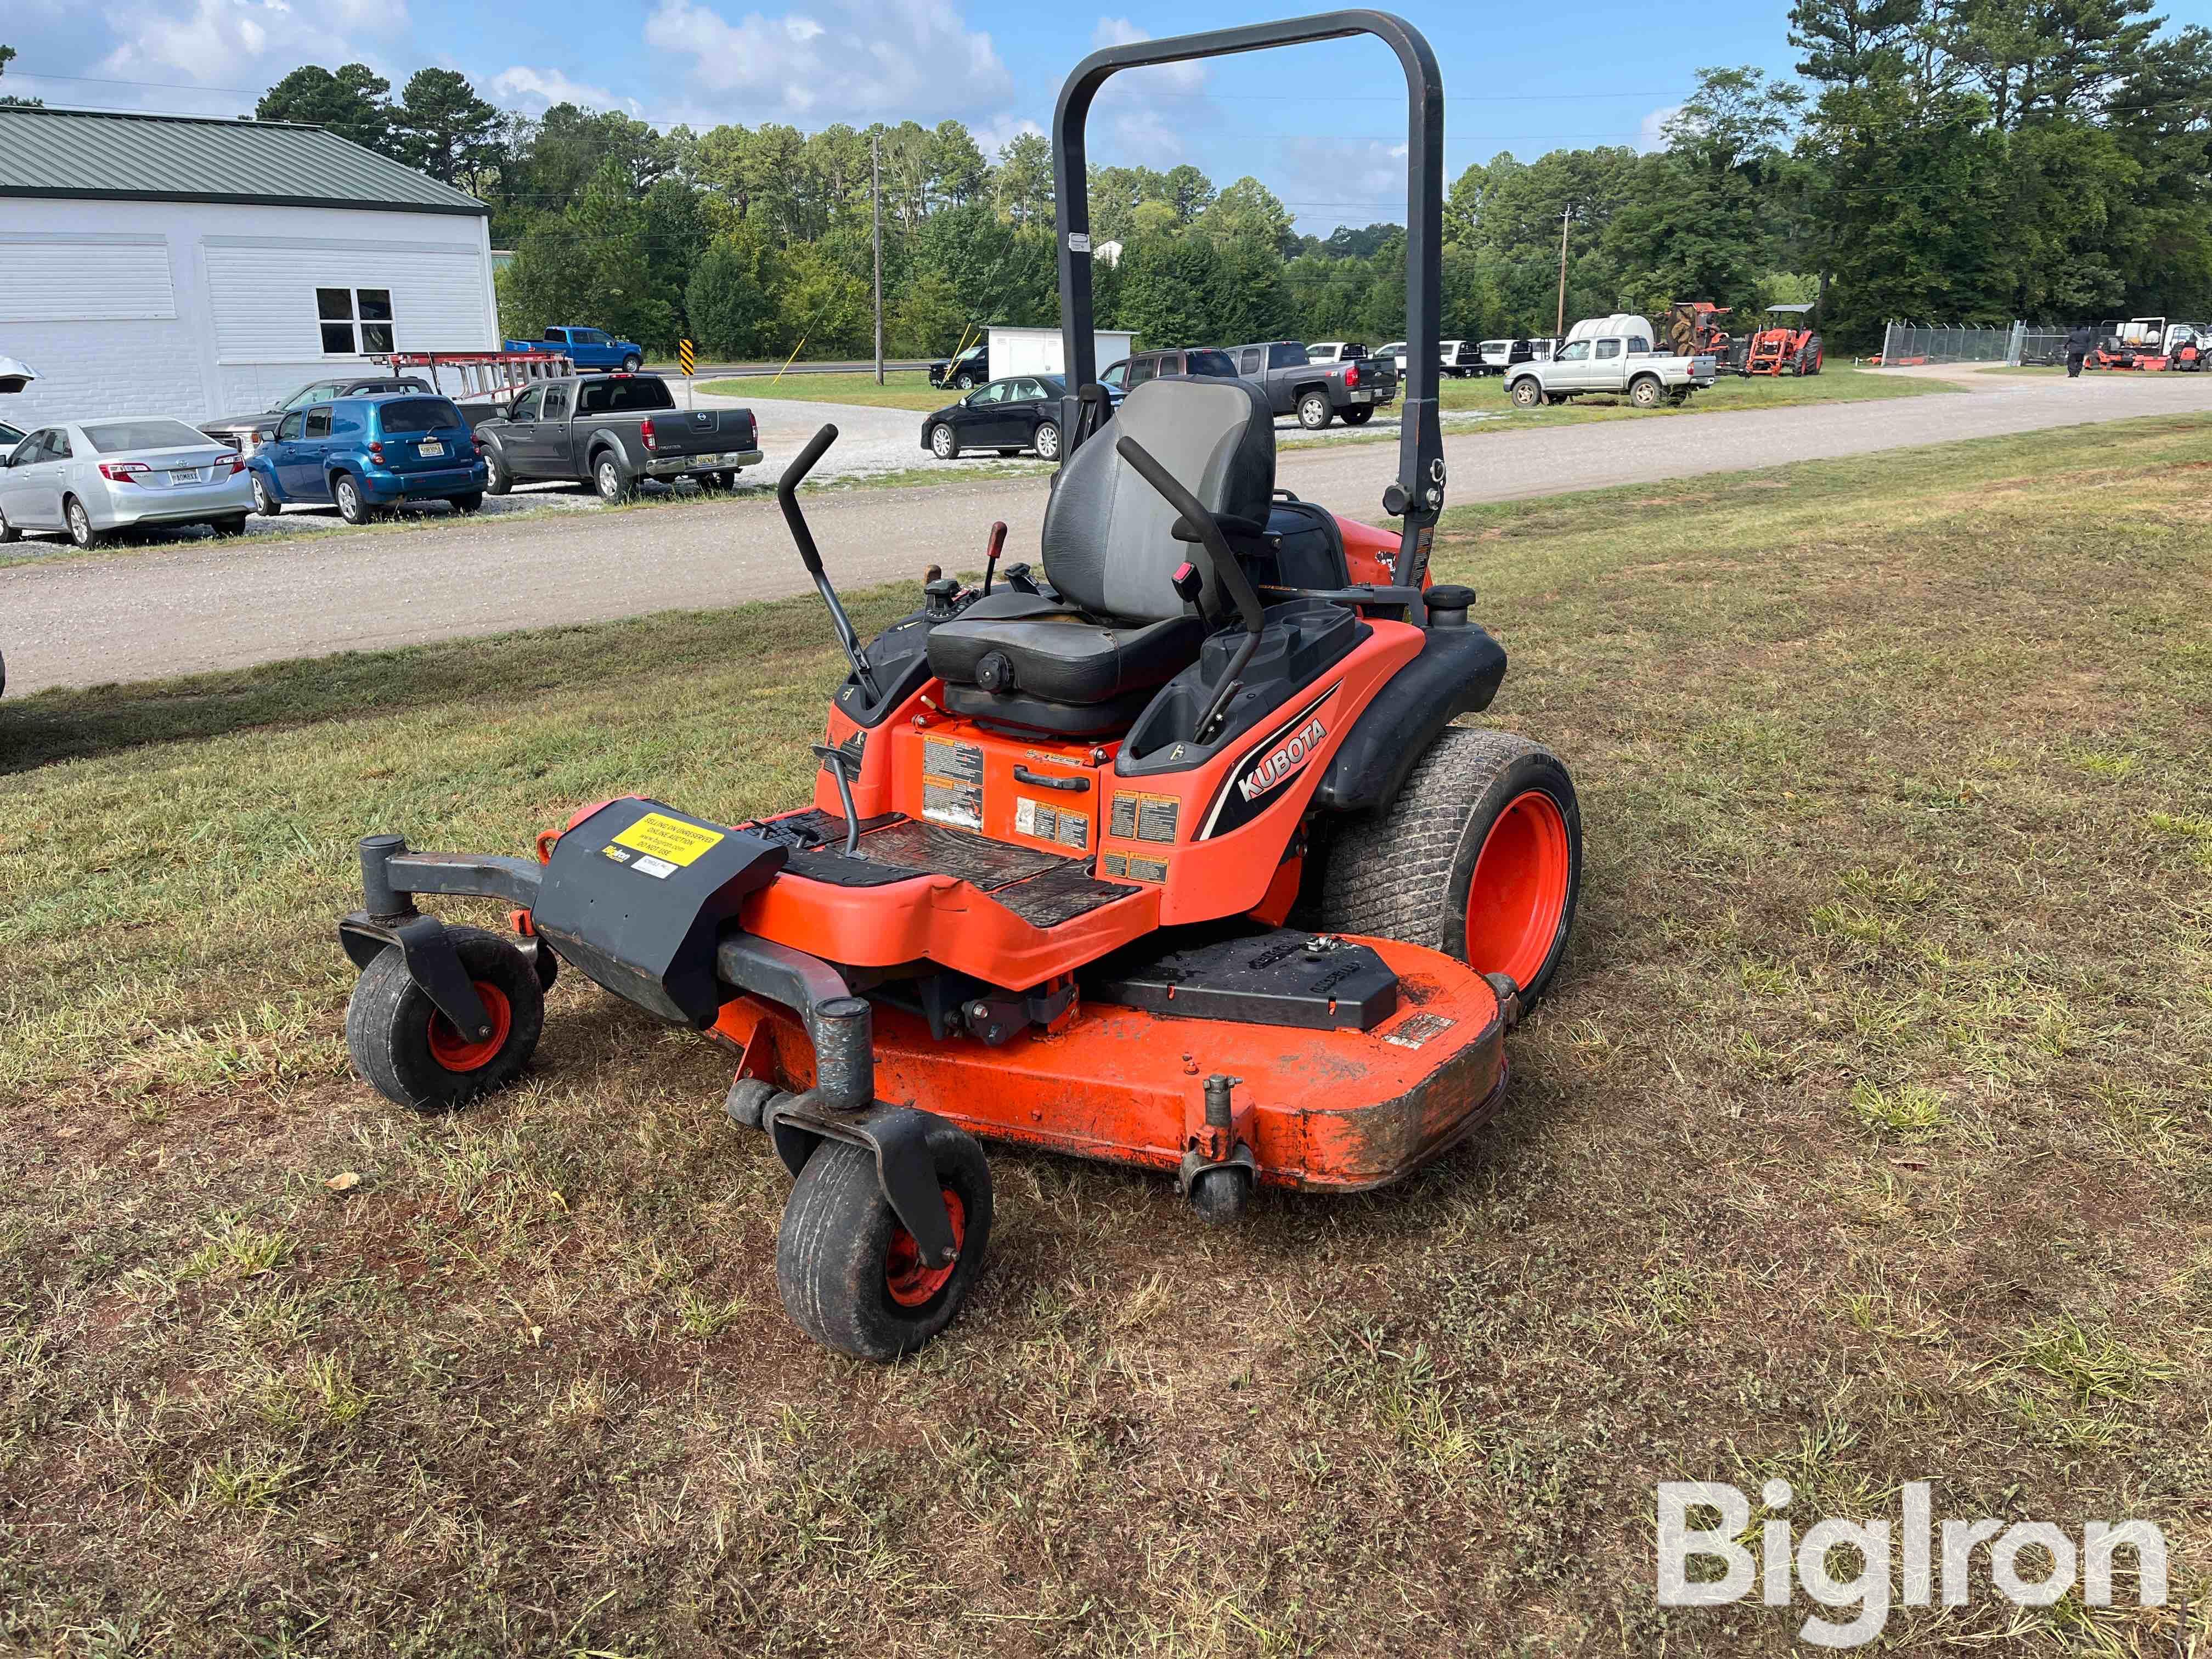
1265, 771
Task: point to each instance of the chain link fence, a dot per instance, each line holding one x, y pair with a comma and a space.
2013, 343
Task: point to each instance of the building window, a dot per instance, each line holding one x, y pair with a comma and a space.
355, 322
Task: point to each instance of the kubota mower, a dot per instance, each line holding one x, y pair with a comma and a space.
1059, 828
1788, 347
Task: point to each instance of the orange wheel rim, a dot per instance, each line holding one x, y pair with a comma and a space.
912, 1281
456, 1053
1519, 889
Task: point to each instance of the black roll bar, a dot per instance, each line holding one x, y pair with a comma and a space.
1417, 495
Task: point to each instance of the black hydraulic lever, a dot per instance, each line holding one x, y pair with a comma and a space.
1226, 571
787, 495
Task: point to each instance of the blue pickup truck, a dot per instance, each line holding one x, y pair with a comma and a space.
586, 348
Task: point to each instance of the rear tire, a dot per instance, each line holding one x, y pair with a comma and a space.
1359, 416
469, 500
8, 531
1481, 802
352, 505
231, 524
1046, 442
411, 1054
1645, 392
608, 478
75, 516
497, 479
1315, 412
849, 1272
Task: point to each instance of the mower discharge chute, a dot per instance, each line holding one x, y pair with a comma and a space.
1059, 829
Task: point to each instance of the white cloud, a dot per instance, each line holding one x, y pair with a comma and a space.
1652, 133
1000, 130
1185, 76
1149, 113
843, 60
520, 84
218, 41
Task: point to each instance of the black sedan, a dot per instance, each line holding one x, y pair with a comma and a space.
1019, 412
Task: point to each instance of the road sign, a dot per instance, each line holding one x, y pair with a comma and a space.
686, 358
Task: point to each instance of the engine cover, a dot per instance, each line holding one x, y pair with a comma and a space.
637, 894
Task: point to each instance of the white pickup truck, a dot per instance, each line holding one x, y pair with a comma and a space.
1615, 364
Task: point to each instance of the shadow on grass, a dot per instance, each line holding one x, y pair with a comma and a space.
79, 723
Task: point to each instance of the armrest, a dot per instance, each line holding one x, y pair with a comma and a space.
1235, 524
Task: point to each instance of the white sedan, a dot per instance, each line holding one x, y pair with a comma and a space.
88, 478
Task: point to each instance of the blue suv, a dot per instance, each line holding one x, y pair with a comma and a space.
368, 454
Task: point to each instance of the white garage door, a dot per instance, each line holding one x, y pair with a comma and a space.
57, 278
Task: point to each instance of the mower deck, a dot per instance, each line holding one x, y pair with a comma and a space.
1341, 1110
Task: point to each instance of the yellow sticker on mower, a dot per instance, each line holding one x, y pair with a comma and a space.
660, 837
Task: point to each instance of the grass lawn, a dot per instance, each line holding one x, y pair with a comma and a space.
907, 388
1836, 383
1865, 1139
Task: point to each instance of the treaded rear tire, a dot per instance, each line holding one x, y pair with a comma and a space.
1405, 873
388, 1025
838, 1233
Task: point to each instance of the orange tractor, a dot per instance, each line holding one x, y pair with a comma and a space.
1788, 346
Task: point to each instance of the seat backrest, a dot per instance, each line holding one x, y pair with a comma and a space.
1109, 536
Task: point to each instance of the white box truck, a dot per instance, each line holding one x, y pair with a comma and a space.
1037, 350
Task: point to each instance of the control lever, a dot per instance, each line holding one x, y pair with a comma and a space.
787, 495
991, 549
837, 760
1226, 571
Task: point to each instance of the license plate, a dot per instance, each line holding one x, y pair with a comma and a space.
189, 476
431, 446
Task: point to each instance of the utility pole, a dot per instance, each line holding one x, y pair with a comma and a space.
876, 209
1566, 218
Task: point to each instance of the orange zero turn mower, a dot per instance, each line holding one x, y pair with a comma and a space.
1171, 853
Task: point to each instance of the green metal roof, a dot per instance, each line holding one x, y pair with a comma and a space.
96, 154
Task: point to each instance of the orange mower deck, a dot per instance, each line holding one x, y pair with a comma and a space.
1342, 1110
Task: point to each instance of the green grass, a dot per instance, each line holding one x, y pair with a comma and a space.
1863, 1139
1836, 383
902, 389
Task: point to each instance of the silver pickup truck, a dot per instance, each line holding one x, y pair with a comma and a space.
1614, 364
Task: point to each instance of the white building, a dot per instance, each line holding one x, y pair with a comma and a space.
205, 267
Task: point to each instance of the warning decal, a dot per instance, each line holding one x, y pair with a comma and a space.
672, 838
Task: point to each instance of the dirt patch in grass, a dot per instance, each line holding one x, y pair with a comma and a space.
1864, 1141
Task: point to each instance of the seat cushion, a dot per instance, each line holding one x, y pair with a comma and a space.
1058, 652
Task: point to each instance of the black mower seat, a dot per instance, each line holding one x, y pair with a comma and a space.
1087, 660
1033, 643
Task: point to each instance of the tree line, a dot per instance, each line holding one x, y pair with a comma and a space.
1969, 161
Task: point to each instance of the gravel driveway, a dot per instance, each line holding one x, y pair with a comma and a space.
225, 605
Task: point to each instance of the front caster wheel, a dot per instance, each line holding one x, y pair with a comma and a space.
1220, 1195
412, 1055
852, 1276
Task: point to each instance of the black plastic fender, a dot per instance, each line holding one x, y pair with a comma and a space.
1458, 672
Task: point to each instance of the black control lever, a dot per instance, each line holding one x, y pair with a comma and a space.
787, 495
1226, 571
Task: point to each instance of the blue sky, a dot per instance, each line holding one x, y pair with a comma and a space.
1321, 126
